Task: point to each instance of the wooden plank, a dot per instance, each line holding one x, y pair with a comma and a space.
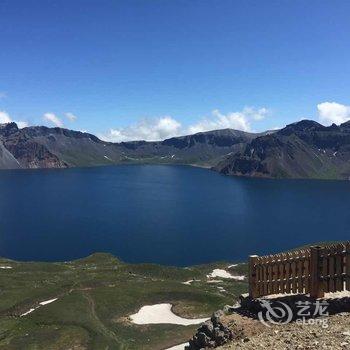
347, 266
257, 280
277, 274
281, 276
252, 276
307, 275
294, 276
265, 289
315, 285
325, 282
331, 273
261, 283
287, 277
273, 278
339, 271
269, 269
300, 272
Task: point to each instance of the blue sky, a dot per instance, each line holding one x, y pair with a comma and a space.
151, 69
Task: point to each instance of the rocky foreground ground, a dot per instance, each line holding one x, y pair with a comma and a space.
291, 336
248, 326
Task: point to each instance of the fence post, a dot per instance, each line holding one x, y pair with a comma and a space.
316, 289
252, 276
347, 265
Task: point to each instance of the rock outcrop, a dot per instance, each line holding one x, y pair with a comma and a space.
211, 334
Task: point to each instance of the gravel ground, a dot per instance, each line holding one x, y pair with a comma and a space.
292, 336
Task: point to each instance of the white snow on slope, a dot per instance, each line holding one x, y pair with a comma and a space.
178, 347
161, 313
224, 274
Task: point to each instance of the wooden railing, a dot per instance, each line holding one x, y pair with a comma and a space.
315, 271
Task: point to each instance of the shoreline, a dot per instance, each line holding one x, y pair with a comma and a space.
192, 165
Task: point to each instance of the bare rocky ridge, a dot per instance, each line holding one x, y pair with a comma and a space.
7, 160
305, 149
42, 147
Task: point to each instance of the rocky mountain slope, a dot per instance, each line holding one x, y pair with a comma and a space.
42, 147
305, 149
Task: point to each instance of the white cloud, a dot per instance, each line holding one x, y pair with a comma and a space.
166, 127
51, 117
22, 124
147, 129
72, 117
235, 120
5, 118
332, 112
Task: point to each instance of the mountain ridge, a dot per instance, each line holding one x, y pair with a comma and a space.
43, 147
304, 149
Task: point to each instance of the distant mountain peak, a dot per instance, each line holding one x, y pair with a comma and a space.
8, 128
305, 125
301, 126
305, 149
345, 125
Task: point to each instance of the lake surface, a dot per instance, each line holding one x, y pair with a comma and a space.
175, 215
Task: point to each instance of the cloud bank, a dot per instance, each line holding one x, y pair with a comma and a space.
147, 129
52, 118
165, 127
5, 118
236, 120
70, 116
333, 112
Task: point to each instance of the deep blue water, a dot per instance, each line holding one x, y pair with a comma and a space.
164, 214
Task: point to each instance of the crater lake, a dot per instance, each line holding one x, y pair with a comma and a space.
174, 215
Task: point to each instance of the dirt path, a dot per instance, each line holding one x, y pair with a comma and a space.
104, 330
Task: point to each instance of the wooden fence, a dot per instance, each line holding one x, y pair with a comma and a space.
315, 271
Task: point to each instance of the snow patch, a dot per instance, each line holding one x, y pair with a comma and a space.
178, 347
28, 312
215, 281
231, 266
188, 283
48, 301
224, 274
42, 303
6, 267
161, 313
